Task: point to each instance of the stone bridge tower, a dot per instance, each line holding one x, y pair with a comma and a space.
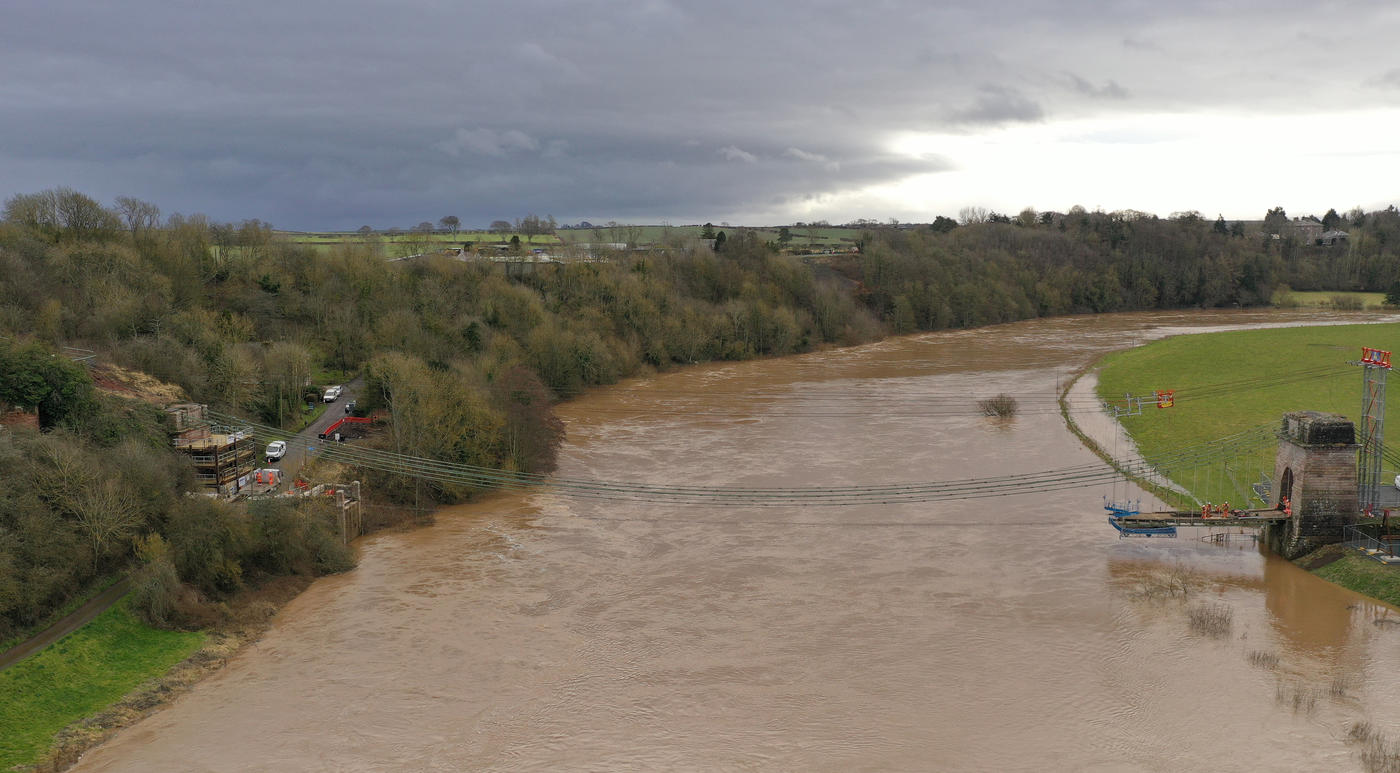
1316, 469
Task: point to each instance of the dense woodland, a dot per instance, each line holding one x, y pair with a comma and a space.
466, 358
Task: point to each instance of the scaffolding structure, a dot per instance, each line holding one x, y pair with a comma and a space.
1375, 363
223, 458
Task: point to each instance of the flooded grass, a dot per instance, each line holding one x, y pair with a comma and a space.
1213, 620
1265, 660
1163, 585
1301, 698
1378, 753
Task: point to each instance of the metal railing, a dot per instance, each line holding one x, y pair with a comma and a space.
1383, 550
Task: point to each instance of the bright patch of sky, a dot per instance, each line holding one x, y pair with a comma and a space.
1217, 163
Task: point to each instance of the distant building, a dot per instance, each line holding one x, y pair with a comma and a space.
1330, 238
1307, 229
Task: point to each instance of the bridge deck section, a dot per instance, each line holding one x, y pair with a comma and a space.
1188, 518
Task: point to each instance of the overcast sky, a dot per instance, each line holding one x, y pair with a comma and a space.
312, 114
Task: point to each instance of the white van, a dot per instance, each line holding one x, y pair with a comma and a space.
276, 450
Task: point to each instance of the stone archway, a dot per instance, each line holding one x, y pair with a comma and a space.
1285, 485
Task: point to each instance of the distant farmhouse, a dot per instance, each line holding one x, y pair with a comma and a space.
1310, 230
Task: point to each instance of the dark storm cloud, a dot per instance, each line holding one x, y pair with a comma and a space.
331, 115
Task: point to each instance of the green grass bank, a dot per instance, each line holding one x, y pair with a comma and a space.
1327, 299
1233, 381
79, 676
1363, 575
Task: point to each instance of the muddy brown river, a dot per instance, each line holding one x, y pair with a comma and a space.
533, 632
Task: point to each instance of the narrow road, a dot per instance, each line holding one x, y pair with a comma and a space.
307, 442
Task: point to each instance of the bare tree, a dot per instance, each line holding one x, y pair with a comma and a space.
973, 215
107, 513
451, 223
286, 371
63, 213
534, 225
420, 239
139, 216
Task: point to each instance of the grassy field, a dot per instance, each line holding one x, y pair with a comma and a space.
325, 241
1293, 299
1230, 382
813, 238
816, 237
80, 675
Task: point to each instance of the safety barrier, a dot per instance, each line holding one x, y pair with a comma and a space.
1382, 549
330, 431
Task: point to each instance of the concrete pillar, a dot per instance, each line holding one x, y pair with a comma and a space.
1316, 469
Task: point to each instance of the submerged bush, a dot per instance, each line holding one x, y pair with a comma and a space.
1003, 405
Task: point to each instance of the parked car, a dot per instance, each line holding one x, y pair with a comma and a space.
332, 394
276, 450
349, 407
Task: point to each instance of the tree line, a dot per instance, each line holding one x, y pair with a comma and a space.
466, 361
994, 268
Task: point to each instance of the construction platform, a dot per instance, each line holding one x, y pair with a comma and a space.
1188, 518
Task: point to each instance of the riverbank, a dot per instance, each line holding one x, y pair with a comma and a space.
1230, 382
52, 720
116, 670
81, 674
1355, 572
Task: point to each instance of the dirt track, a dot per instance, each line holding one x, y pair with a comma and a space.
72, 622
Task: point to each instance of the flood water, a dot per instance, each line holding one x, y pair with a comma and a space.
534, 632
